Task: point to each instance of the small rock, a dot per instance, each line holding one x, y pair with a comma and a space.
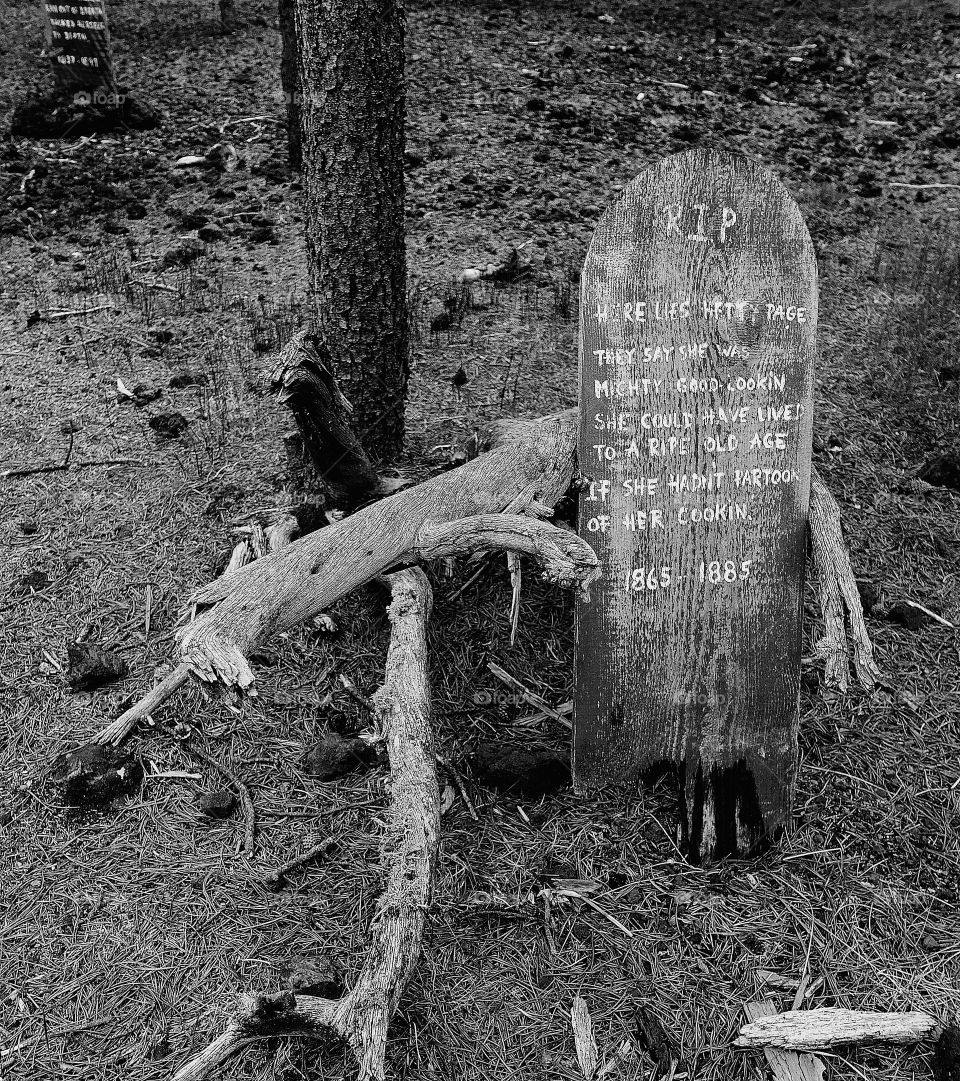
219, 804
90, 665
944, 471
335, 756
907, 616
142, 393
188, 379
869, 595
211, 234
322, 977
169, 425
533, 772
94, 775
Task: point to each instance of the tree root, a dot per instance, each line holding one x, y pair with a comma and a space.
361, 1018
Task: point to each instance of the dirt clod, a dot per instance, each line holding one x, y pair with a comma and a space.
188, 379
32, 582
320, 976
89, 666
336, 756
907, 616
219, 804
169, 425
946, 1055
92, 776
943, 471
869, 595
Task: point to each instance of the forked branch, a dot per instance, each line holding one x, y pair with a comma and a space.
409, 848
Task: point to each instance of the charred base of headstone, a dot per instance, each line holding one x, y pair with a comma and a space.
722, 813
83, 112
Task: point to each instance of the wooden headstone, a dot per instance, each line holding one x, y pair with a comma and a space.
78, 44
697, 343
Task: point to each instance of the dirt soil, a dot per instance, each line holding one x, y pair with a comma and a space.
126, 934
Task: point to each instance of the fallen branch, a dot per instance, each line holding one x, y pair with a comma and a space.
117, 731
246, 801
818, 1030
304, 579
838, 594
409, 847
785, 1065
275, 878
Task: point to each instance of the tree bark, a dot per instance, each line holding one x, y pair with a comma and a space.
290, 78
352, 109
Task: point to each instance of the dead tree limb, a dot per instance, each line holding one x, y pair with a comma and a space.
117, 731
525, 474
361, 1018
529, 467
838, 595
328, 564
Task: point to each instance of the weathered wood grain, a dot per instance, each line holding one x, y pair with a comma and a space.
675, 671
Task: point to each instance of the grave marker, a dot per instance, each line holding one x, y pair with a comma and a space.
697, 342
78, 44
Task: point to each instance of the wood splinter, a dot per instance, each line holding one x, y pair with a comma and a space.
821, 1029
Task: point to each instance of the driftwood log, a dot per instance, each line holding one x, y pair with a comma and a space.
409, 846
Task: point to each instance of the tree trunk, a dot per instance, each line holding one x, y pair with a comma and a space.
352, 108
228, 16
290, 78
